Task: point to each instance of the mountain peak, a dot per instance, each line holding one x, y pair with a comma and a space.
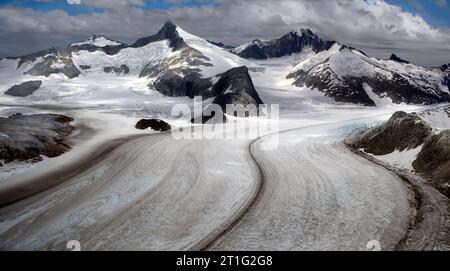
167, 32
169, 24
97, 41
395, 58
290, 43
307, 32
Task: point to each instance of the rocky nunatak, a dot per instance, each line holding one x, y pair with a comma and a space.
235, 87
28, 137
24, 89
410, 131
154, 124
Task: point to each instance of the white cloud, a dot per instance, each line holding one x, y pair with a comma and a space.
74, 2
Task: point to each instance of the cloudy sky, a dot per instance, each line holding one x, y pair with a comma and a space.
417, 30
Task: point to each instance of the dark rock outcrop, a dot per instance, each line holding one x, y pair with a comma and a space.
33, 57
108, 49
350, 89
27, 137
191, 84
168, 32
154, 124
403, 131
446, 70
400, 87
341, 89
395, 58
221, 45
122, 69
236, 87
400, 90
288, 44
434, 160
24, 89
85, 67
53, 61
409, 131
181, 81
54, 64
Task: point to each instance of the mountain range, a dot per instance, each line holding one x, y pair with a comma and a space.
176, 63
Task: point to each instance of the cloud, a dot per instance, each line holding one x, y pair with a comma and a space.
73, 2
378, 26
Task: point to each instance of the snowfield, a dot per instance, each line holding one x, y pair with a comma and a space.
99, 41
402, 159
135, 58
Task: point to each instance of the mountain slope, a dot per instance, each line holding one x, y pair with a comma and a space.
416, 141
176, 63
172, 62
97, 41
288, 44
349, 75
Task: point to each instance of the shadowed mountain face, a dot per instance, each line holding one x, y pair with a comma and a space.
395, 58
236, 87
348, 75
405, 132
446, 69
434, 160
288, 44
168, 32
30, 136
24, 89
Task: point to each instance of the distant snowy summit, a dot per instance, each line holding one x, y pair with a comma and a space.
97, 41
288, 44
349, 75
177, 63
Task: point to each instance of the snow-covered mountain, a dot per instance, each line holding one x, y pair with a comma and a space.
178, 64
415, 141
172, 62
289, 44
97, 41
349, 75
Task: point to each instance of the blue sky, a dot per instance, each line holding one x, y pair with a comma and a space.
47, 5
434, 13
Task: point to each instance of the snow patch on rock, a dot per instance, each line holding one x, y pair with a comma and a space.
98, 41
